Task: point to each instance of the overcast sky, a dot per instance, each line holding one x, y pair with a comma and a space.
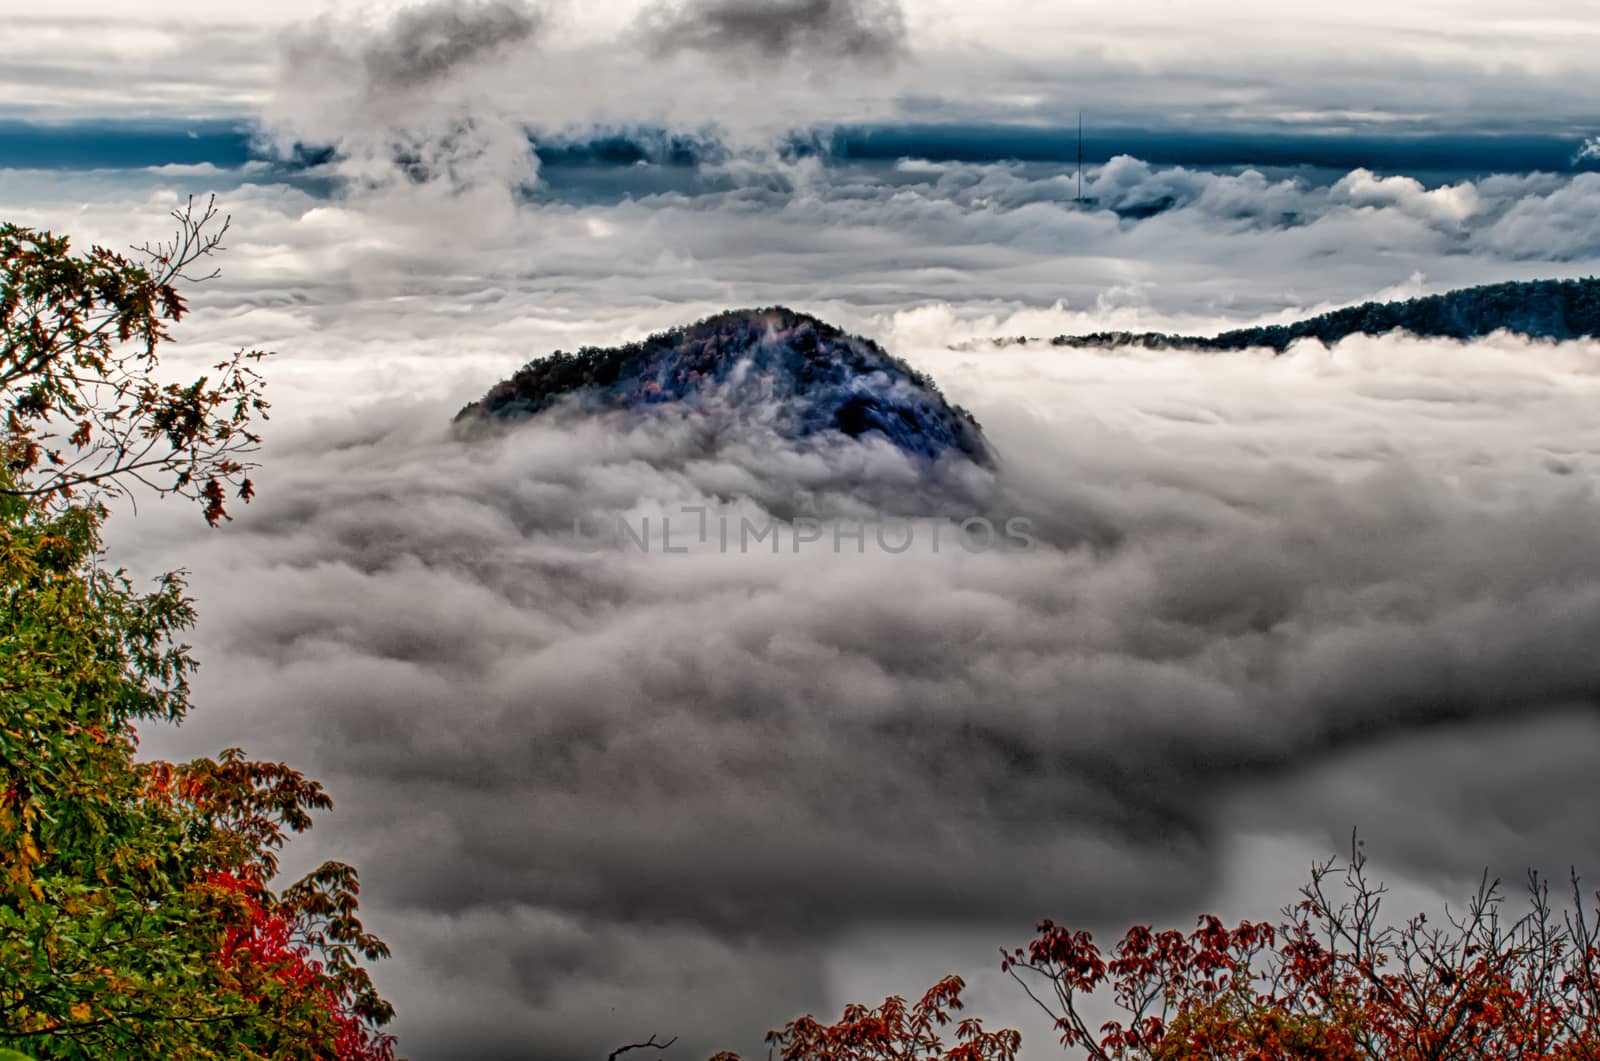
1452, 62
595, 797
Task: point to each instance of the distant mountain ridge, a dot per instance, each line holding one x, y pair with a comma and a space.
1538, 309
793, 372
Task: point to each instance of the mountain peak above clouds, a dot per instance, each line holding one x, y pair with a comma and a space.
799, 374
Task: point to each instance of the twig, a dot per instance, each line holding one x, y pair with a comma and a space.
647, 1044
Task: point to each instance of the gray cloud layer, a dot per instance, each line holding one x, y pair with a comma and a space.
426, 43
1235, 63
823, 32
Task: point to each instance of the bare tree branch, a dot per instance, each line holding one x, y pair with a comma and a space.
648, 1044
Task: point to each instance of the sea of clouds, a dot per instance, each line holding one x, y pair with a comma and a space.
596, 795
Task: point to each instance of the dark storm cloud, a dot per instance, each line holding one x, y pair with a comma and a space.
425, 43
416, 47
815, 30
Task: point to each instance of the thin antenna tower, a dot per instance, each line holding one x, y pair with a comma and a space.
1080, 156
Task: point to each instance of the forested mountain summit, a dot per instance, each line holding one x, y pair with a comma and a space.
788, 370
1537, 309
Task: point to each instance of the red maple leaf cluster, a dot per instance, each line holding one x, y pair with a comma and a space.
261, 951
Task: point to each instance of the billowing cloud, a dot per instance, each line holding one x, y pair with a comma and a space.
407, 101
426, 43
415, 47
822, 32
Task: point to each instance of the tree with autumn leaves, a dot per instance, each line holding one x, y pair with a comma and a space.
140, 916
1332, 979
